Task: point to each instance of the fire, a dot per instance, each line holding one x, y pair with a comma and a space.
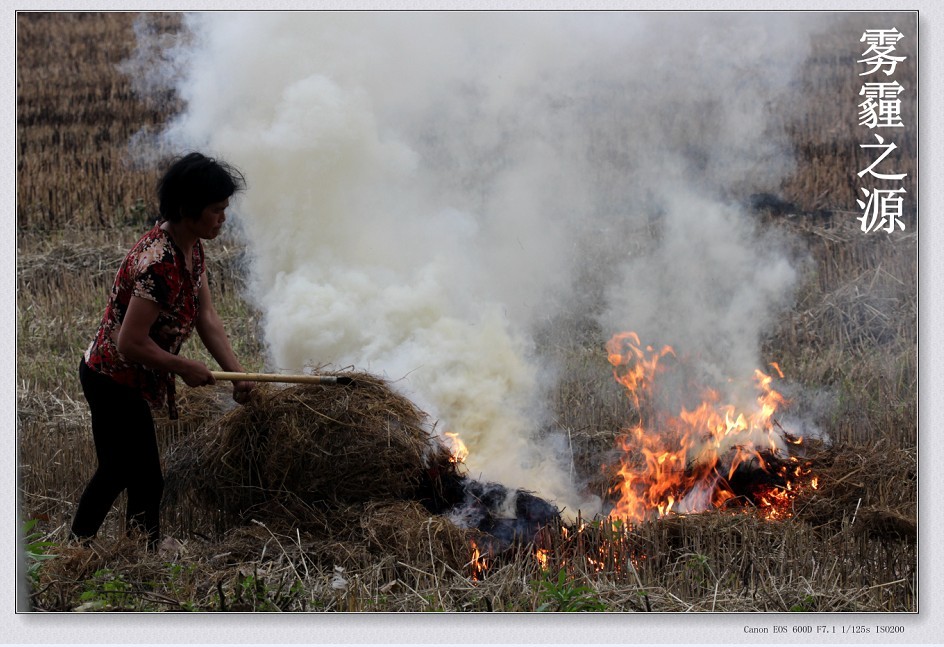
689, 461
479, 562
638, 370
457, 448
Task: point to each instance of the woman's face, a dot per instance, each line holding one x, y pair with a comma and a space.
211, 220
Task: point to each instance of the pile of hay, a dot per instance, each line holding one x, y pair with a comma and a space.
293, 451
871, 489
356, 469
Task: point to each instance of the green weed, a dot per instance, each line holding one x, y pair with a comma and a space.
36, 547
107, 591
561, 594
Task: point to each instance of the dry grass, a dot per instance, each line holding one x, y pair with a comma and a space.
295, 452
849, 343
395, 556
80, 112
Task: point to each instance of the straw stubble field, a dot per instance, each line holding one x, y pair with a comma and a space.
849, 344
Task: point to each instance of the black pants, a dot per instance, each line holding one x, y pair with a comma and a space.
128, 458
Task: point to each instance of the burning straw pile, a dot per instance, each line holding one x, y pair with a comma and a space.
305, 447
355, 464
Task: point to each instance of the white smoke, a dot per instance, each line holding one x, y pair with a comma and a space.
425, 187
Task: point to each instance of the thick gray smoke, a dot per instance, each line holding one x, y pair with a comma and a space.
425, 188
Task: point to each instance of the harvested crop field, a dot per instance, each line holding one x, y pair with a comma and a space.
350, 497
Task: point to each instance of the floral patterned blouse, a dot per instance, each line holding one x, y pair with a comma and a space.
154, 269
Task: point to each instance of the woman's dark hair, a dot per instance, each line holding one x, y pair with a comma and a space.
194, 181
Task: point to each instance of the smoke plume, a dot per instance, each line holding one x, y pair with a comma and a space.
426, 189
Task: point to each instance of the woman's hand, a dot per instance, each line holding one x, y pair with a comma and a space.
242, 391
195, 373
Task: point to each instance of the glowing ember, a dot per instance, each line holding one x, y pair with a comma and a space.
711, 455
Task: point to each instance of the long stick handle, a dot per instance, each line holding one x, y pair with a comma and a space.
274, 377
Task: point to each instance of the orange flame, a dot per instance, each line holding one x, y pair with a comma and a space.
685, 462
478, 564
638, 370
459, 452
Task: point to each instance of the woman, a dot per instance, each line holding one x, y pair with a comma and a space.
160, 295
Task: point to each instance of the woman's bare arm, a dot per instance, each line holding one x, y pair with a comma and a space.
214, 337
136, 345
